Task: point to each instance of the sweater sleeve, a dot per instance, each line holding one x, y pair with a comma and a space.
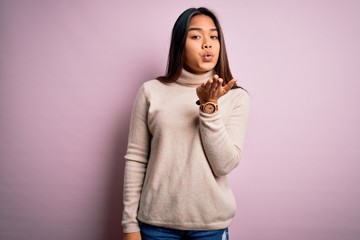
135, 162
223, 141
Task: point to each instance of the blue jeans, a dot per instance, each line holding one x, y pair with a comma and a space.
150, 232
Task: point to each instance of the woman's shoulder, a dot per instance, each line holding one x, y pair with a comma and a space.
239, 97
239, 92
151, 86
152, 83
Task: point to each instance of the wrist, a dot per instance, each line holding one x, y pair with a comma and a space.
203, 101
209, 107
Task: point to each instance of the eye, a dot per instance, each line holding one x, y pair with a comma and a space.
214, 37
195, 37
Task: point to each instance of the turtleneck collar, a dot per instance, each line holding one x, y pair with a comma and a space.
192, 80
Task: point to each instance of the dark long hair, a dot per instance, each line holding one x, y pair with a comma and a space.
177, 45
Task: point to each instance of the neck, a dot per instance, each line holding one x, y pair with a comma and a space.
190, 79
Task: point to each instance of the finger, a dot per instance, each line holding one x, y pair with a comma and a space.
214, 85
221, 81
216, 81
217, 84
229, 85
208, 85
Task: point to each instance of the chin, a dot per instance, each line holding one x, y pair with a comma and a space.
201, 68
207, 67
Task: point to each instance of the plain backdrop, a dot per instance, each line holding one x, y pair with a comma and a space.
69, 72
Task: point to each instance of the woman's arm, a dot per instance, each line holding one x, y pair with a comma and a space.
223, 142
136, 161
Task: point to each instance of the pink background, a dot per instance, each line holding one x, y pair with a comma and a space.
69, 72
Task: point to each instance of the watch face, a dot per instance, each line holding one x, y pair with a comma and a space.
209, 108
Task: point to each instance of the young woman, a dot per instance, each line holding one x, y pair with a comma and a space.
179, 153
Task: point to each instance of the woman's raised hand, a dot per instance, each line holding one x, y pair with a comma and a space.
213, 89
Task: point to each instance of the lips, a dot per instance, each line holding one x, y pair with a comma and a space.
207, 57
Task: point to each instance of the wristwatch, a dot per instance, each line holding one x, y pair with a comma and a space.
209, 107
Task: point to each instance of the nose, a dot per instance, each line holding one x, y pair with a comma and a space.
206, 45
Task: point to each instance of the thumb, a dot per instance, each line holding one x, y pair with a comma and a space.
229, 85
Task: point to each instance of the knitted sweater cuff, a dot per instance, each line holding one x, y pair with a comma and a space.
131, 227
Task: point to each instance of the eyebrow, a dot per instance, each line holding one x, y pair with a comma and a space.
199, 29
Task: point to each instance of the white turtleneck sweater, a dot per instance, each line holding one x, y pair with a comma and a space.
178, 157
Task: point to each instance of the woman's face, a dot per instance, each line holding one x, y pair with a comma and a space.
202, 46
